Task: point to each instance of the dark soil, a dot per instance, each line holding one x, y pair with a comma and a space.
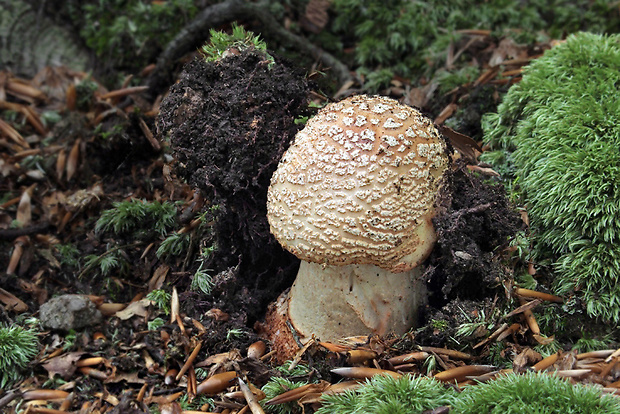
474, 222
229, 122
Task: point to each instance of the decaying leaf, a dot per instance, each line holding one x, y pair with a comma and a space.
137, 308
12, 302
63, 365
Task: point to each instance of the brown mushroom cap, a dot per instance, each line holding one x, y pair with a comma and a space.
358, 184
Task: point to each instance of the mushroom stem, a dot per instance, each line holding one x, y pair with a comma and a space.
360, 299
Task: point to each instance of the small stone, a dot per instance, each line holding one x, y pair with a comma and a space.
68, 312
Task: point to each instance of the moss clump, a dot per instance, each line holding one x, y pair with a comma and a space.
560, 130
17, 348
534, 393
387, 395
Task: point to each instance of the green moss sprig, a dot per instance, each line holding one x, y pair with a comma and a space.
18, 346
560, 130
222, 44
383, 394
533, 393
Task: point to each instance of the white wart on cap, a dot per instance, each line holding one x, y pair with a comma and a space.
358, 184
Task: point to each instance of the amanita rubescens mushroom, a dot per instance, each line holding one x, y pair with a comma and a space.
353, 199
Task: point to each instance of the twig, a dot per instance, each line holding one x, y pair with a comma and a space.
10, 234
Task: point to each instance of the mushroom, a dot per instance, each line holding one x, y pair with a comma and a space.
353, 198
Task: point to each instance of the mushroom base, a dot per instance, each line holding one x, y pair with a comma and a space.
332, 302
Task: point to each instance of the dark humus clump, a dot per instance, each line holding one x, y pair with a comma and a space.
474, 219
228, 123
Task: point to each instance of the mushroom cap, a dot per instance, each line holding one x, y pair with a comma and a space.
358, 185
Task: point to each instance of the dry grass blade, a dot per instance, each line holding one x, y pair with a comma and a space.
546, 362
93, 373
573, 373
44, 394
526, 306
603, 353
448, 352
216, 383
530, 319
124, 92
189, 362
18, 250
358, 356
299, 392
72, 161
459, 374
11, 133
363, 372
174, 305
491, 337
537, 295
299, 354
515, 327
149, 135
413, 356
250, 398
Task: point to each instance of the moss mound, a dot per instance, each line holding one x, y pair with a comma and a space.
387, 395
559, 133
534, 393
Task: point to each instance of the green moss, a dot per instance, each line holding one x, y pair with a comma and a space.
387, 395
222, 44
17, 348
130, 32
533, 393
560, 127
410, 38
135, 215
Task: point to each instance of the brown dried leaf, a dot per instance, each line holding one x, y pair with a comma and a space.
12, 302
137, 308
526, 358
464, 144
158, 278
420, 96
63, 365
506, 49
